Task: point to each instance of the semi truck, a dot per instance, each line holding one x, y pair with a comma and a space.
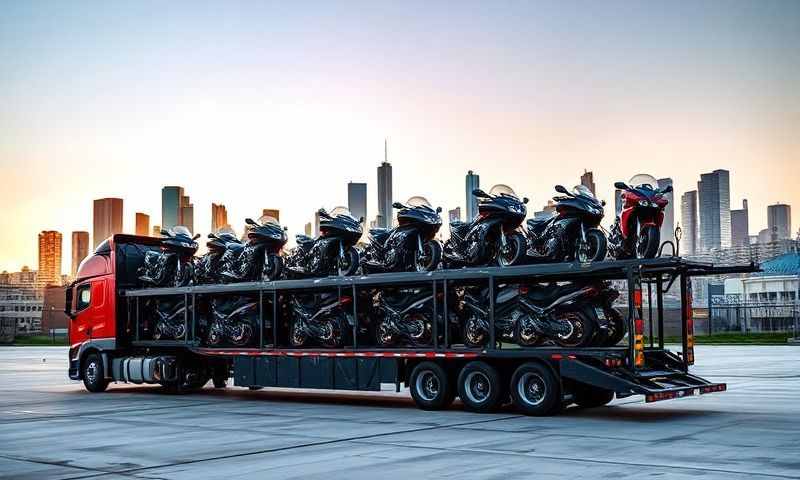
112, 318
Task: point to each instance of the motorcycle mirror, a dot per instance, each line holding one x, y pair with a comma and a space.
250, 221
621, 185
480, 193
360, 219
561, 189
525, 200
667, 189
196, 236
165, 232
603, 203
438, 209
397, 205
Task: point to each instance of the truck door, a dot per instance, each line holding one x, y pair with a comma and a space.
91, 319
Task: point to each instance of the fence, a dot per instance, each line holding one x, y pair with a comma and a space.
731, 314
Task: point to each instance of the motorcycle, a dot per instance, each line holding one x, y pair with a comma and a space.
259, 259
171, 319
333, 251
410, 246
636, 233
322, 318
493, 235
573, 233
404, 317
208, 268
233, 320
173, 264
532, 315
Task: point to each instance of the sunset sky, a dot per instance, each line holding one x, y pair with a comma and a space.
279, 105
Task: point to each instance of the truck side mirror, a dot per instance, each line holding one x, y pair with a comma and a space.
621, 185
68, 301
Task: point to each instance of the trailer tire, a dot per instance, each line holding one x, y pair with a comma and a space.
430, 387
93, 373
592, 397
535, 390
480, 387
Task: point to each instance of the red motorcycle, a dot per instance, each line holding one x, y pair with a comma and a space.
636, 232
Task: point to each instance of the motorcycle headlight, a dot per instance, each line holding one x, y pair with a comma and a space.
644, 203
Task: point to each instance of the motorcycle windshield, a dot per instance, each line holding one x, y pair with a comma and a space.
419, 202
501, 189
643, 181
340, 211
181, 230
583, 191
265, 219
225, 231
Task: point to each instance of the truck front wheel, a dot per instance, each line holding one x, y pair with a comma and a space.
93, 373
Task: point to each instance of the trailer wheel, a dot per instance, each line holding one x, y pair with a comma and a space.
535, 390
430, 387
591, 397
94, 373
480, 387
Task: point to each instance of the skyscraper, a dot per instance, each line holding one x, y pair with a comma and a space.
107, 219
80, 249
587, 180
688, 244
714, 207
668, 225
142, 224
156, 230
357, 200
176, 208
219, 217
740, 229
454, 215
473, 181
272, 212
49, 259
187, 213
309, 230
779, 221
385, 198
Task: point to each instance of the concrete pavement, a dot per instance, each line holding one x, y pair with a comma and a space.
50, 427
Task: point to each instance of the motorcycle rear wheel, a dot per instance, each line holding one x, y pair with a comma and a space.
474, 335
243, 334
297, 336
525, 333
582, 330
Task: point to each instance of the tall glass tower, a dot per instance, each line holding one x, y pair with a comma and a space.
714, 206
385, 190
473, 181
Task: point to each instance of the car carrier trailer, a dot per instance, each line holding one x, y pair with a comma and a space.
110, 325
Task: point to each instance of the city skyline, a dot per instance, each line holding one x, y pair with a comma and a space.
105, 102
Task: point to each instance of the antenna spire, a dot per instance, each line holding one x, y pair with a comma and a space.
385, 150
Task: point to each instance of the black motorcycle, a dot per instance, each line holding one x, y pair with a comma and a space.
403, 317
535, 314
208, 268
173, 264
573, 233
492, 236
233, 320
171, 318
259, 259
333, 252
323, 319
410, 246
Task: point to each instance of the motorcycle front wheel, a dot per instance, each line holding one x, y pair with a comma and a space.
384, 336
215, 334
514, 250
349, 263
297, 334
594, 249
273, 267
428, 259
526, 333
241, 334
648, 241
475, 336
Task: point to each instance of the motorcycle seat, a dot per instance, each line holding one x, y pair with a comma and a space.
379, 234
549, 293
235, 247
303, 239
